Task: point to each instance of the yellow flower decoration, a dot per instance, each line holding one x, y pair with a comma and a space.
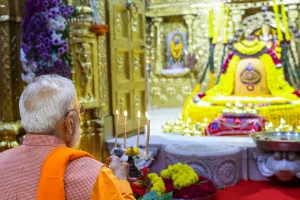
226, 83
181, 175
157, 183
249, 47
132, 151
176, 50
136, 150
277, 85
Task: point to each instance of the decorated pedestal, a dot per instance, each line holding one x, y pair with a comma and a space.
279, 154
257, 70
237, 121
220, 163
235, 126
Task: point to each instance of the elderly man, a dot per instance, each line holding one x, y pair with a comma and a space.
45, 166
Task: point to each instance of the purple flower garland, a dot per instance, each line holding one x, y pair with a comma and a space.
44, 46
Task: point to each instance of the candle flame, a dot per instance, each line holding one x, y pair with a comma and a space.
139, 114
147, 116
117, 112
125, 113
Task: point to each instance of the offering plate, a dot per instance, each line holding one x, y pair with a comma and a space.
277, 141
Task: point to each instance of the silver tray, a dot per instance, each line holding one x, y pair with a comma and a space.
277, 141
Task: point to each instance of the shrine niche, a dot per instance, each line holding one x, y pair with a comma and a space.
176, 43
171, 58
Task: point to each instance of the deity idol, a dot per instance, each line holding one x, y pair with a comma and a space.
176, 44
252, 74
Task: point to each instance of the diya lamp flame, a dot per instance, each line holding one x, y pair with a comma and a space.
239, 109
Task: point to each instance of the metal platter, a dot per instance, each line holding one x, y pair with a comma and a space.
277, 141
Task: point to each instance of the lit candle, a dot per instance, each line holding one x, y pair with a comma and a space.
211, 24
219, 23
285, 23
277, 19
117, 128
139, 124
125, 122
148, 134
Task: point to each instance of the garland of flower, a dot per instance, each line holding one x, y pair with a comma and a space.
286, 64
181, 175
176, 50
44, 39
226, 84
275, 78
249, 47
277, 85
296, 66
157, 183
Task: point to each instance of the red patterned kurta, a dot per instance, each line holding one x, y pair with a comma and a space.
20, 170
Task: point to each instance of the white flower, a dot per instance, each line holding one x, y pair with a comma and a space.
28, 78
59, 23
56, 39
31, 67
23, 56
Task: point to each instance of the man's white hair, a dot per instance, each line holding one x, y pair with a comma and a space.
45, 102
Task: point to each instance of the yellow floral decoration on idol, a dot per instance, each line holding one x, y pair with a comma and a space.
277, 85
132, 151
226, 82
176, 50
157, 183
249, 47
182, 175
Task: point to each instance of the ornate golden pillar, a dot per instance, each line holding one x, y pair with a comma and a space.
10, 71
189, 20
159, 48
90, 76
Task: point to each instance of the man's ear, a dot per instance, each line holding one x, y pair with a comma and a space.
69, 123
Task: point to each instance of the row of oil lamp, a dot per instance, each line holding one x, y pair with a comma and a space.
186, 128
125, 130
283, 127
239, 109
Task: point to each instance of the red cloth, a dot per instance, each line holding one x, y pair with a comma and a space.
235, 126
260, 190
